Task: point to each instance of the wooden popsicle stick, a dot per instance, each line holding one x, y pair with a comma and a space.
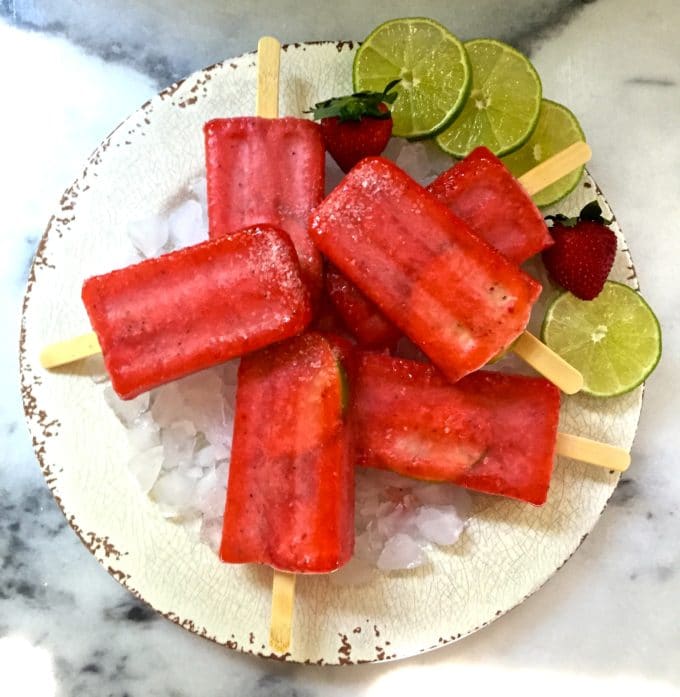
283, 602
528, 347
267, 106
555, 167
548, 363
268, 64
593, 452
70, 350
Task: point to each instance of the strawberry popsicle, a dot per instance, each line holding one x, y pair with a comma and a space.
482, 192
194, 308
490, 432
271, 171
290, 499
452, 294
362, 318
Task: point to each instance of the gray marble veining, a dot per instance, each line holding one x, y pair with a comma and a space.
609, 618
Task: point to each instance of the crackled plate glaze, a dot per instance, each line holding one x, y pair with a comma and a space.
509, 549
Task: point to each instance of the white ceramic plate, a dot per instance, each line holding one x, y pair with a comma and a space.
509, 549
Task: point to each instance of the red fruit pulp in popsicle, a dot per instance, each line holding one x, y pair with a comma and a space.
482, 192
407, 419
490, 432
267, 171
290, 499
524, 414
364, 320
194, 308
454, 296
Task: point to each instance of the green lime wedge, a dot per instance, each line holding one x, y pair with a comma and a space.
557, 128
614, 340
430, 62
502, 109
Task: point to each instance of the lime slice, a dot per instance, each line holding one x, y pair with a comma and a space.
557, 128
502, 110
614, 340
430, 62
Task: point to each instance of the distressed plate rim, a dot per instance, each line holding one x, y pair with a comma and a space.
41, 423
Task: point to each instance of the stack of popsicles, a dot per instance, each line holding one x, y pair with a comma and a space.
437, 265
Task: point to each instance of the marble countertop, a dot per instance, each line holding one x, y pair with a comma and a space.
609, 619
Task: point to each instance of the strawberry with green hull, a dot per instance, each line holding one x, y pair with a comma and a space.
357, 125
290, 499
583, 253
490, 432
481, 191
452, 294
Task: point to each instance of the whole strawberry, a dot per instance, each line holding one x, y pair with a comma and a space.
357, 125
583, 253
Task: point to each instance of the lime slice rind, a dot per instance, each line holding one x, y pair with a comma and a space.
432, 64
503, 107
624, 344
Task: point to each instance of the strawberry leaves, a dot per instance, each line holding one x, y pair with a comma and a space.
354, 107
590, 212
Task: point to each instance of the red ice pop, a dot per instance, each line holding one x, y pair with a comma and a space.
485, 196
290, 499
263, 170
362, 318
453, 295
490, 432
194, 308
481, 191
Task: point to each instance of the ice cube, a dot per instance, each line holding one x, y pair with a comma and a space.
439, 524
205, 457
210, 495
176, 491
143, 432
186, 225
199, 188
178, 442
146, 466
203, 397
211, 532
400, 520
149, 235
167, 404
401, 552
422, 160
444, 495
368, 545
127, 410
